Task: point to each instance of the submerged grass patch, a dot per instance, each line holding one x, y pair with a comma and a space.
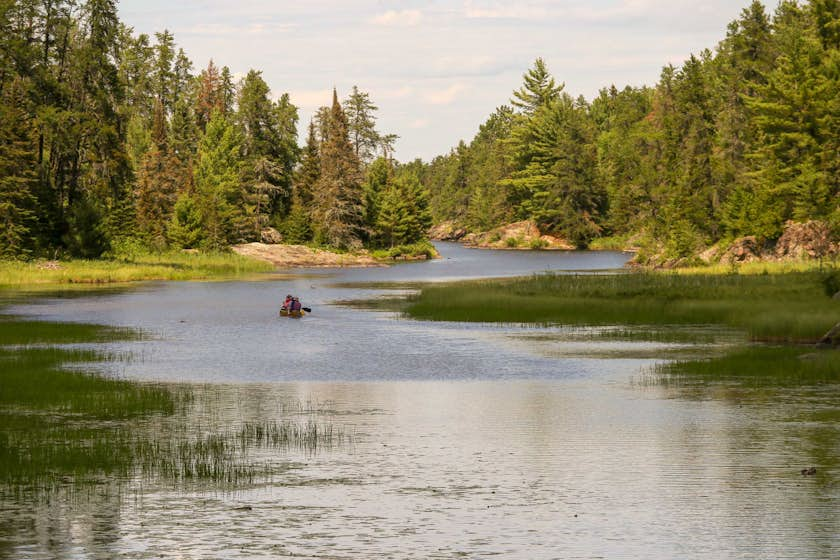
789, 307
60, 424
18, 331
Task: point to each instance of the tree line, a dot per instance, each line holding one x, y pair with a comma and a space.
109, 139
734, 142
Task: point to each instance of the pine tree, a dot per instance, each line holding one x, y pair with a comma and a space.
18, 180
339, 195
297, 227
791, 111
539, 89
210, 96
361, 118
164, 75
157, 183
379, 177
217, 182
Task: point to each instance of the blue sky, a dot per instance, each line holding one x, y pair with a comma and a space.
436, 69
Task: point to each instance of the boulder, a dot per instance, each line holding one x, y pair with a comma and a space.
743, 249
447, 231
812, 239
518, 235
271, 236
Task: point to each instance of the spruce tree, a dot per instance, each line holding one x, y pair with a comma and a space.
217, 182
18, 179
339, 195
158, 180
209, 97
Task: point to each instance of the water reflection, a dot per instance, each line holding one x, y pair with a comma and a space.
530, 469
467, 440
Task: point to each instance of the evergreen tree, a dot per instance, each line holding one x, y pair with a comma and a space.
361, 119
157, 184
790, 111
539, 89
209, 97
18, 180
379, 177
339, 195
164, 74
217, 182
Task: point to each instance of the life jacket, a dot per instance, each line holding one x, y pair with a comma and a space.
295, 306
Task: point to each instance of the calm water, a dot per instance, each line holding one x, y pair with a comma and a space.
467, 441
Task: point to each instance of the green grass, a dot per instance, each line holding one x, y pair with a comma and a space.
791, 307
758, 366
19, 331
616, 243
422, 249
38, 379
61, 424
175, 265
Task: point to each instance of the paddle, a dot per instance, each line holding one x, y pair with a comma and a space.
307, 309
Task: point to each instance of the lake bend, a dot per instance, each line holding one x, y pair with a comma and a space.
446, 440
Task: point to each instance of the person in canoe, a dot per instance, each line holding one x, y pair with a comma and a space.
286, 303
294, 306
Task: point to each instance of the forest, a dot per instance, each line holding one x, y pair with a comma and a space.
110, 142
735, 142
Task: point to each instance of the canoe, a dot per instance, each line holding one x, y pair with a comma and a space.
292, 314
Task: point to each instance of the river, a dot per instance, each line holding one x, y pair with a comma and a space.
465, 441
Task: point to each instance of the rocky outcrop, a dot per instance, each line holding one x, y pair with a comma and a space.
291, 256
271, 236
447, 231
812, 239
743, 249
799, 241
519, 235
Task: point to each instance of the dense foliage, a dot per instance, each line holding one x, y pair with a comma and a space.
733, 143
109, 139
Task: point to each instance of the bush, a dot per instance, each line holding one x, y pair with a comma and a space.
127, 249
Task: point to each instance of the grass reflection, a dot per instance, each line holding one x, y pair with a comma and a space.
61, 424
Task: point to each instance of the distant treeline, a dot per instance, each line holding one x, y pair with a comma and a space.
110, 140
734, 143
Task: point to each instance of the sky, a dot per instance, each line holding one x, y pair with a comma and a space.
436, 69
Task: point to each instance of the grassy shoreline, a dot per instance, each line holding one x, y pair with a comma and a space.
774, 315
151, 266
790, 308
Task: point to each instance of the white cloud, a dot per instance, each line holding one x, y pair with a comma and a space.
445, 96
311, 98
224, 29
504, 10
419, 123
403, 18
397, 93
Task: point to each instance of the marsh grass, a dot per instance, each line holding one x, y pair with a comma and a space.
791, 307
20, 331
756, 366
175, 265
62, 425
